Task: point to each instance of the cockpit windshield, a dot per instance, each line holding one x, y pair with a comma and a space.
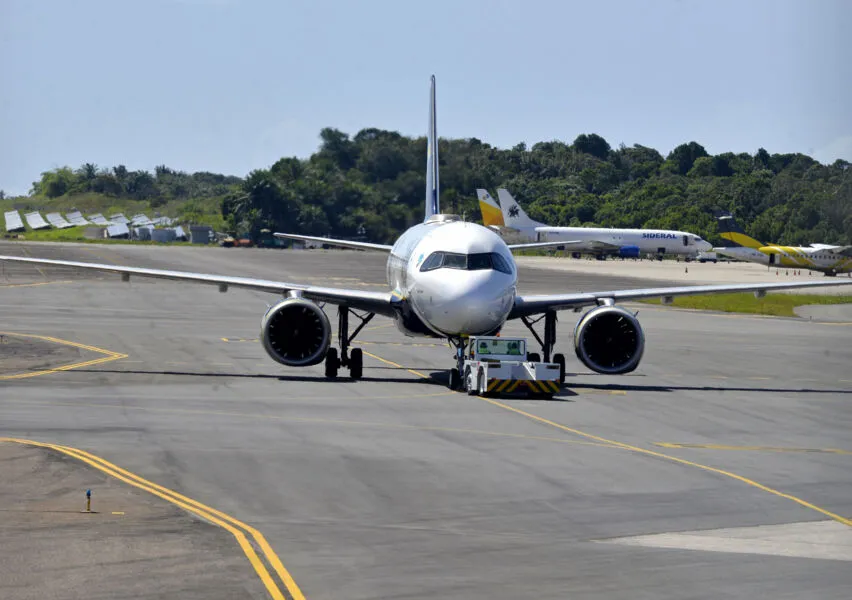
466, 262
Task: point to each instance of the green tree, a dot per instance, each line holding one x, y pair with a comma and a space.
592, 144
685, 155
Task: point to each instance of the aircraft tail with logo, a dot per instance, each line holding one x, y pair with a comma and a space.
432, 182
513, 214
491, 214
730, 230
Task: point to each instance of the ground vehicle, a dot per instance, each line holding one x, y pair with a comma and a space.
704, 257
501, 365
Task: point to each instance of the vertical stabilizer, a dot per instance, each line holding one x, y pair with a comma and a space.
491, 214
513, 214
432, 183
730, 230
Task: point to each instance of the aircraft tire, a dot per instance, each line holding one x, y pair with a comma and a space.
356, 363
331, 363
455, 379
559, 359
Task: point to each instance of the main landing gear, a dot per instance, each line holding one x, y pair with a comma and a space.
351, 359
548, 343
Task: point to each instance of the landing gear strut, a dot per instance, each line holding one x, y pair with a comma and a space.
354, 359
455, 373
549, 341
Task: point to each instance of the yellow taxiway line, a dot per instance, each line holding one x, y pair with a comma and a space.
645, 451
752, 448
235, 527
21, 285
109, 356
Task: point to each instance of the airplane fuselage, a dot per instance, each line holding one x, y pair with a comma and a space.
447, 280
648, 241
793, 257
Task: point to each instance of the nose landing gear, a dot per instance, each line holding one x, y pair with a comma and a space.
455, 381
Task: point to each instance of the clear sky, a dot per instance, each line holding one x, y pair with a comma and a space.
232, 85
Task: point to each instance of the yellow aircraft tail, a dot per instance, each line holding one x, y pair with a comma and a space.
731, 231
492, 216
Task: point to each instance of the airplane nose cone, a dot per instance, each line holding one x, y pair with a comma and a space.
467, 302
705, 246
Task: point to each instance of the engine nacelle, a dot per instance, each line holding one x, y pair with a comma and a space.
295, 332
628, 252
609, 339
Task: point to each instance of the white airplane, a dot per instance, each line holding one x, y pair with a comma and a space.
825, 258
512, 222
448, 279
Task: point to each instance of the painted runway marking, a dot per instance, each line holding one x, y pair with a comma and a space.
22, 285
645, 451
752, 448
397, 365
109, 356
235, 527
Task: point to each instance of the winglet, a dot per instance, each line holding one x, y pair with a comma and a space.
432, 181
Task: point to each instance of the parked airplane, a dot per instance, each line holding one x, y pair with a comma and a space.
830, 260
513, 223
448, 279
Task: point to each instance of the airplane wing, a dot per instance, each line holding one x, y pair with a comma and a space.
376, 302
541, 245
599, 245
386, 248
334, 242
530, 305
588, 245
839, 250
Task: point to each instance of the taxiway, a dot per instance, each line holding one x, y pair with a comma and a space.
733, 426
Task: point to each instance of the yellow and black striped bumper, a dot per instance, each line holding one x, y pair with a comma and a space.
508, 386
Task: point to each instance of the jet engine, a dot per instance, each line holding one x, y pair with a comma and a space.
295, 332
628, 252
609, 340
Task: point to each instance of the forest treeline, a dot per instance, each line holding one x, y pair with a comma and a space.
371, 186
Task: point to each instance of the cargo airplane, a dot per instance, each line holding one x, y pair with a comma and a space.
447, 279
827, 259
510, 220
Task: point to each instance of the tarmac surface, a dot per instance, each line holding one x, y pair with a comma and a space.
720, 468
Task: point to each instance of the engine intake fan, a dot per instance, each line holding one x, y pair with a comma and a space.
609, 339
296, 332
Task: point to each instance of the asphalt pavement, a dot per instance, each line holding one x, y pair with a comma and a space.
394, 487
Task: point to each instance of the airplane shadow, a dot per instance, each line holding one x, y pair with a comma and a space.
441, 378
292, 378
563, 395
